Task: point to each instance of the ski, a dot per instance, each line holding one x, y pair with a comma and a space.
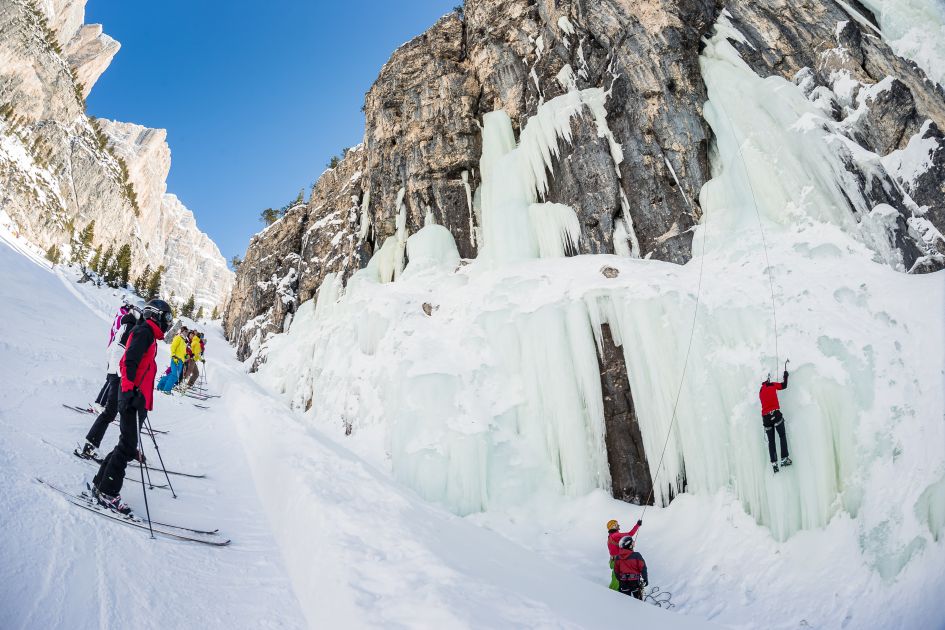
87, 503
98, 462
134, 462
200, 406
88, 411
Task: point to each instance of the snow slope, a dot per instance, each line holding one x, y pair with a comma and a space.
321, 538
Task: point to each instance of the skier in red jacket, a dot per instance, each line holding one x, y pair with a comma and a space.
773, 420
137, 368
630, 569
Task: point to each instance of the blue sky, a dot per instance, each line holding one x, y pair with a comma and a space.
256, 96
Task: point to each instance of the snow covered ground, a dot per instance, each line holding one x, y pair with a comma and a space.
320, 537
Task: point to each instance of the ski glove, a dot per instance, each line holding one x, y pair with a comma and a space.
640, 523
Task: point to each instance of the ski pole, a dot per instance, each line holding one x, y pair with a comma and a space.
160, 459
144, 489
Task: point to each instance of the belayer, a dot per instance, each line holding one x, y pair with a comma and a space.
630, 569
773, 420
137, 369
614, 536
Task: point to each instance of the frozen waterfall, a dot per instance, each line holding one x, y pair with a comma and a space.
478, 385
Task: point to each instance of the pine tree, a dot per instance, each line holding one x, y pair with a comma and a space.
96, 260
53, 254
123, 265
141, 282
80, 251
106, 262
269, 216
199, 313
154, 284
235, 262
215, 314
188, 309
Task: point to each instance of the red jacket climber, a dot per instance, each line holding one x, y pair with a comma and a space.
630, 569
614, 535
773, 420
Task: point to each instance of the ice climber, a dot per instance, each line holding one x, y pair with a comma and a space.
116, 349
630, 568
178, 356
614, 535
773, 420
137, 368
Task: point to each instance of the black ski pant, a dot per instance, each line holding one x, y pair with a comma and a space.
633, 588
774, 421
111, 474
110, 401
102, 397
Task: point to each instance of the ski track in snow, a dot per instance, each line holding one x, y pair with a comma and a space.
328, 541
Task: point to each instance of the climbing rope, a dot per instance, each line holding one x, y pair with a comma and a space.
695, 314
764, 240
692, 332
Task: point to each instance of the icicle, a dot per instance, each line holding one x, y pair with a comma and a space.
365, 216
556, 227
469, 206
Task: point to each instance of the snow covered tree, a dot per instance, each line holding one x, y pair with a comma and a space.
53, 254
153, 288
199, 313
188, 309
215, 314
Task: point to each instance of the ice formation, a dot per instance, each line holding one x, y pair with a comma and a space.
479, 385
915, 29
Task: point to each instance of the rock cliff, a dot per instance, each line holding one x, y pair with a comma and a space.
60, 169
629, 158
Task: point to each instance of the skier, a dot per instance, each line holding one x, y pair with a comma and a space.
773, 420
178, 355
127, 306
137, 368
196, 350
614, 536
630, 568
112, 384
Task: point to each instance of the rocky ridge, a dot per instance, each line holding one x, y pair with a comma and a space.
60, 169
632, 173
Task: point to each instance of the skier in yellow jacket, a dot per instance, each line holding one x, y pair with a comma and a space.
178, 356
190, 370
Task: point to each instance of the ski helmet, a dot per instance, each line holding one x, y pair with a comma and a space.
160, 313
626, 542
612, 524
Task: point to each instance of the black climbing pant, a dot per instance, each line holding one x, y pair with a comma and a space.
774, 421
633, 588
111, 474
110, 402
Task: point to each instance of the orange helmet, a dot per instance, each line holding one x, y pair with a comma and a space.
612, 524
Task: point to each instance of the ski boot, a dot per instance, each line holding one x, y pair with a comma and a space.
140, 457
786, 461
775, 467
88, 451
113, 503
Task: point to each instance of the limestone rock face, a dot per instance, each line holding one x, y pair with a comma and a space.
60, 170
631, 164
90, 52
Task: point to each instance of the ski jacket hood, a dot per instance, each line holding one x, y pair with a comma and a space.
138, 368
